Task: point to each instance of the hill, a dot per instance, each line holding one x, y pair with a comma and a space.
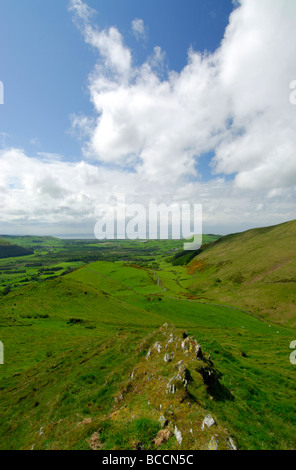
255, 270
8, 250
86, 367
32, 241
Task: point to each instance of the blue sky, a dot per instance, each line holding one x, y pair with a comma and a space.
45, 63
168, 100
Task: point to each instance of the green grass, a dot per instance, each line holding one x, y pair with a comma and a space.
254, 270
72, 343
57, 369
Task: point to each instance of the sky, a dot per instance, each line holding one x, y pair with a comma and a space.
163, 101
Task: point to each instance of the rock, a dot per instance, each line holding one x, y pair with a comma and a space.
163, 421
162, 436
190, 344
181, 367
231, 444
171, 388
148, 354
157, 346
208, 421
176, 383
94, 442
178, 435
184, 345
198, 351
172, 339
214, 443
167, 358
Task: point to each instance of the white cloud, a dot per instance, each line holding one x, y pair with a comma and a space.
109, 43
235, 101
42, 196
82, 12
139, 28
151, 126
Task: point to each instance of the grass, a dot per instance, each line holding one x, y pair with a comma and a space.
254, 270
72, 343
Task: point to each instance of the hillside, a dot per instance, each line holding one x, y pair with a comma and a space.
86, 367
255, 270
31, 241
8, 250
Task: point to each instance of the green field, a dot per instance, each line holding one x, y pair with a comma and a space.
76, 374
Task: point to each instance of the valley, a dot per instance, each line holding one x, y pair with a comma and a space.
105, 356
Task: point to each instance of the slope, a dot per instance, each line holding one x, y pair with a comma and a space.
73, 344
8, 250
255, 270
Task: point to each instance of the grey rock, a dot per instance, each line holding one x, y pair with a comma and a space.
213, 444
157, 346
175, 381
167, 358
148, 354
178, 435
184, 345
231, 444
208, 421
172, 339
181, 367
163, 421
198, 351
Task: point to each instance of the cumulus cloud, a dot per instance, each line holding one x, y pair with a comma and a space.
152, 126
47, 195
109, 43
234, 102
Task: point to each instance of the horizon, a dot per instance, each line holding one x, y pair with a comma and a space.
125, 98
92, 237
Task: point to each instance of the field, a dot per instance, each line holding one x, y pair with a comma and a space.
49, 257
82, 370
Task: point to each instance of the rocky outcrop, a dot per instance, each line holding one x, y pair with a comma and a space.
169, 385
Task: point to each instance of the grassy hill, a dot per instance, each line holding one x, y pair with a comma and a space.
32, 241
255, 270
8, 250
82, 368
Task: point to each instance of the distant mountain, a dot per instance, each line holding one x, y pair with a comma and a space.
255, 270
30, 242
8, 250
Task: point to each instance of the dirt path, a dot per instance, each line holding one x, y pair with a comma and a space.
158, 282
270, 271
